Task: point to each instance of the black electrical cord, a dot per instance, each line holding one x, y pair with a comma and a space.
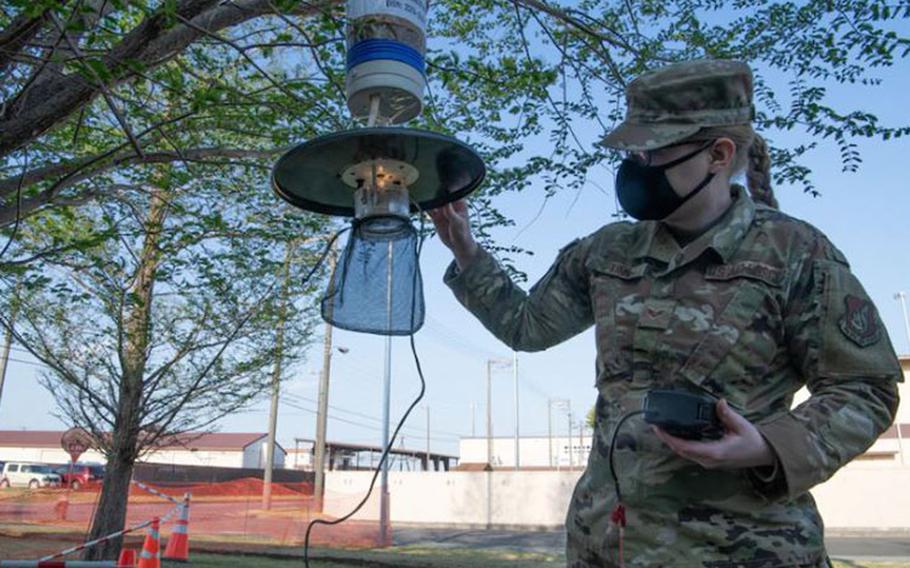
613, 447
324, 254
387, 449
385, 454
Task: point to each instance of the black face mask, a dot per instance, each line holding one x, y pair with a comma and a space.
645, 192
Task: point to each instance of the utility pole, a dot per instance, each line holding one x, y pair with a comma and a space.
322, 411
473, 430
490, 364
276, 380
490, 413
581, 441
569, 438
428, 439
489, 473
515, 380
385, 530
902, 297
8, 340
559, 403
4, 358
550, 431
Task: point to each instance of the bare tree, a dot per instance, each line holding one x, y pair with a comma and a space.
168, 321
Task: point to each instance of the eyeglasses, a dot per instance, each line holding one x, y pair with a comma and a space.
646, 157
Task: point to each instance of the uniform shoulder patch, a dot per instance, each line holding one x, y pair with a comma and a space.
859, 322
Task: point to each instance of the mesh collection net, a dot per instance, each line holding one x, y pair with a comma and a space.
376, 286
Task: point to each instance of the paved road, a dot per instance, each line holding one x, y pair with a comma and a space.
869, 547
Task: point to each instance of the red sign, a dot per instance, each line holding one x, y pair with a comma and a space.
75, 442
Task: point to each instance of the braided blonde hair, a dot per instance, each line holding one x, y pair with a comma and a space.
751, 155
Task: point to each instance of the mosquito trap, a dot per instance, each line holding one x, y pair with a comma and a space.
379, 175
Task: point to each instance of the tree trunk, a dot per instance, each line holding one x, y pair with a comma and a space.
125, 442
110, 516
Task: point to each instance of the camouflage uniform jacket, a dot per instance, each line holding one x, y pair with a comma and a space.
752, 310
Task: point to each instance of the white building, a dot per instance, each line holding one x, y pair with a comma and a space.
892, 449
232, 449
534, 452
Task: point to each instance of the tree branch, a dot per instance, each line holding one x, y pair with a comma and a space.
109, 99
17, 34
150, 44
75, 173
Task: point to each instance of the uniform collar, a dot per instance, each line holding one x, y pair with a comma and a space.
655, 240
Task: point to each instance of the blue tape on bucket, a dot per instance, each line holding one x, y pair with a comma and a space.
385, 49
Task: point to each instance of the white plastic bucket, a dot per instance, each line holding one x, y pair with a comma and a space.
399, 86
414, 11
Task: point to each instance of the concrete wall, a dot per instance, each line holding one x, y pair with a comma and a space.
856, 497
869, 493
859, 497
526, 499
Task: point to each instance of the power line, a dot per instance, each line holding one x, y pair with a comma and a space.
352, 423
454, 339
367, 416
413, 429
33, 363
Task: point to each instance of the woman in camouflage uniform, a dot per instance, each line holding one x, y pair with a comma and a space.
713, 291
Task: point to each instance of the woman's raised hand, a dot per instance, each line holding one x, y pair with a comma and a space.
454, 229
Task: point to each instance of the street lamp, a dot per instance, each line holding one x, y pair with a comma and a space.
902, 297
563, 403
500, 363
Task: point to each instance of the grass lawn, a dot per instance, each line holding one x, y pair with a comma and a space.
394, 557
422, 558
223, 561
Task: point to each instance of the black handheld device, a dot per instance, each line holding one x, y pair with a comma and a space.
683, 414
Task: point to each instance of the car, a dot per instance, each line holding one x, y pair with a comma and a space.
81, 474
31, 475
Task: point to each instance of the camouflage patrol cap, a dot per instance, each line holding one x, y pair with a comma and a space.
669, 104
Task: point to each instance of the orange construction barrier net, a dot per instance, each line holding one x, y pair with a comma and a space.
229, 511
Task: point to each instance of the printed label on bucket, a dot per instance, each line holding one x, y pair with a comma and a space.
414, 11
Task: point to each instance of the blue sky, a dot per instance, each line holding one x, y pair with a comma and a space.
865, 214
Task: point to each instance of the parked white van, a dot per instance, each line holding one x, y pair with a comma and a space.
30, 475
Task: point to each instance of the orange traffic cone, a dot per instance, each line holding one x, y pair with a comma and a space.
127, 558
178, 546
150, 556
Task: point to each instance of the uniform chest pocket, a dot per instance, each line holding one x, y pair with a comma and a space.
618, 291
744, 336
